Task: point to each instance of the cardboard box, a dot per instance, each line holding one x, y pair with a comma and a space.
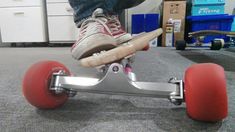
175, 10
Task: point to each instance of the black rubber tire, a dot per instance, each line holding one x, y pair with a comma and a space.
180, 44
216, 44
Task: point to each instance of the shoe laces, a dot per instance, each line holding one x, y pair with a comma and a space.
98, 19
112, 21
114, 24
86, 24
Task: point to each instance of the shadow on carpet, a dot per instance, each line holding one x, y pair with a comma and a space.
225, 61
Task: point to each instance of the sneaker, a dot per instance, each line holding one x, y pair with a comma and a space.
94, 36
117, 31
99, 33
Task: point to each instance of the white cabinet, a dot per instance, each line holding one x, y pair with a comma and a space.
17, 3
61, 26
22, 21
56, 1
0, 37
59, 9
61, 29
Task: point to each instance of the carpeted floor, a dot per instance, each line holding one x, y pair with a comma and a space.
104, 113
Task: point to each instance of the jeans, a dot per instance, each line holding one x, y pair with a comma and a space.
84, 8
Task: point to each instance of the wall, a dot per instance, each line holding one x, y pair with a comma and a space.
229, 6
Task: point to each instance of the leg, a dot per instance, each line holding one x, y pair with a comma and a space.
125, 4
84, 9
100, 29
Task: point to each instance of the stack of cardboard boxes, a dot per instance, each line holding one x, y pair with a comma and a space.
174, 10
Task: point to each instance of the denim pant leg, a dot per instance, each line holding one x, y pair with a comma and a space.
84, 8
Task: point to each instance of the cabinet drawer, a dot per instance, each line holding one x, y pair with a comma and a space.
22, 24
14, 3
54, 9
56, 1
62, 29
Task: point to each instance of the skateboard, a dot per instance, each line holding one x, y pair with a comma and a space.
216, 44
49, 84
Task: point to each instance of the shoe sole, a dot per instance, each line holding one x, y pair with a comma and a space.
123, 38
136, 44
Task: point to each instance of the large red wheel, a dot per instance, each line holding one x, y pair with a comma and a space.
36, 85
205, 92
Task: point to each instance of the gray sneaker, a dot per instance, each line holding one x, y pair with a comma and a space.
99, 33
94, 36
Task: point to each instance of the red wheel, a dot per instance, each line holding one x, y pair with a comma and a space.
36, 85
205, 92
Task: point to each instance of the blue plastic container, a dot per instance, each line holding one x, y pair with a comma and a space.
207, 10
144, 23
205, 2
212, 22
138, 23
233, 25
207, 7
151, 22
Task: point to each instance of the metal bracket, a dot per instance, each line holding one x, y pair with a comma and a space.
117, 81
177, 97
56, 86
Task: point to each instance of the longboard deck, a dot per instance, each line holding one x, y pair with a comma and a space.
136, 44
210, 32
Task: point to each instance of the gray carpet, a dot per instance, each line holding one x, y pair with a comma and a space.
104, 113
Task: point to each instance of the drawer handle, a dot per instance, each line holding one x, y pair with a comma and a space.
19, 13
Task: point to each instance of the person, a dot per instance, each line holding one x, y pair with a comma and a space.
100, 28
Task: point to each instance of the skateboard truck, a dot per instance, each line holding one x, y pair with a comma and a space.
48, 84
117, 81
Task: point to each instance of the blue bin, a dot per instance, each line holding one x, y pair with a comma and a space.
207, 7
211, 22
233, 25
144, 23
151, 22
207, 10
137, 23
205, 2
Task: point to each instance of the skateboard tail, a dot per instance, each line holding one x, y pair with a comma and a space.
126, 49
141, 41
